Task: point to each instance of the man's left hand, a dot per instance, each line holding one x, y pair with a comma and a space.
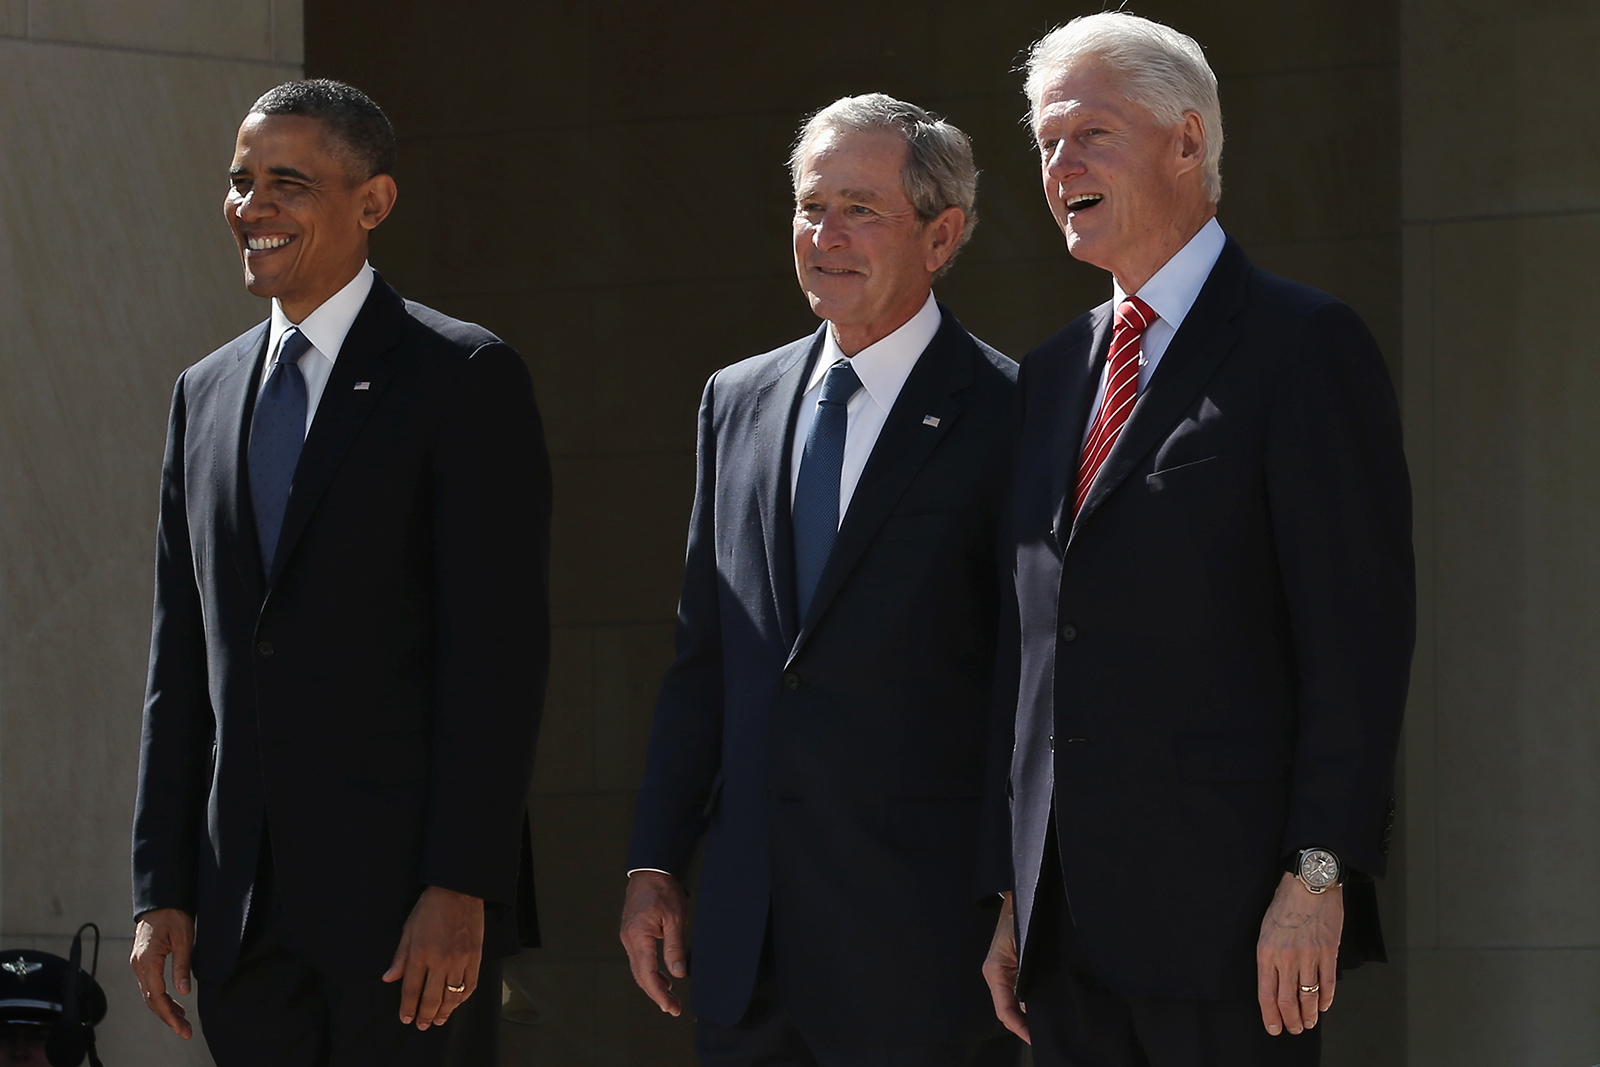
437, 961
1298, 955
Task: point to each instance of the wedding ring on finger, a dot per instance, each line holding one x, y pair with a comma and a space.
462, 988
1308, 990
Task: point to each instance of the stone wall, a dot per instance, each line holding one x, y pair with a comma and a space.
1502, 260
116, 272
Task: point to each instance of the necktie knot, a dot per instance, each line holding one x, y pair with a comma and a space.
293, 345
1135, 315
841, 384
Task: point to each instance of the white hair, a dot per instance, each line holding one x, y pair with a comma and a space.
1163, 71
939, 171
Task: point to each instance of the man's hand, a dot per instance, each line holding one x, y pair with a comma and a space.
1000, 971
440, 946
1297, 956
656, 909
160, 933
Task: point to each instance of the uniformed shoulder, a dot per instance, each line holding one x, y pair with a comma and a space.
436, 329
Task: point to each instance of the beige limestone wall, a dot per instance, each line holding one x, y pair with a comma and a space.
1502, 261
116, 271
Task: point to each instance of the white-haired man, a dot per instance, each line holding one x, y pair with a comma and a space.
822, 727
1214, 606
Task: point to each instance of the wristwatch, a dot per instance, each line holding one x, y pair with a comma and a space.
1318, 870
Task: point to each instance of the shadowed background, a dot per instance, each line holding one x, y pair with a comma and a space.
603, 185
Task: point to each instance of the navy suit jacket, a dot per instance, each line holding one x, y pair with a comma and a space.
834, 764
373, 700
1208, 663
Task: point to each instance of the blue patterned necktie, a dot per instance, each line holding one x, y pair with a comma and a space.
277, 433
816, 491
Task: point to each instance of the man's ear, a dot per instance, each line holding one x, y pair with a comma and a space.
377, 196
1191, 142
943, 233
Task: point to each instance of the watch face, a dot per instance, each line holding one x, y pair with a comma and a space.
1319, 868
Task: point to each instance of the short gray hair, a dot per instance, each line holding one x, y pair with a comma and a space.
1165, 71
939, 171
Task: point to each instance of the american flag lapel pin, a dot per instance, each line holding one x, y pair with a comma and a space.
363, 385
930, 420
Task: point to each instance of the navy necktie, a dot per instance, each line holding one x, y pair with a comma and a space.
816, 491
277, 433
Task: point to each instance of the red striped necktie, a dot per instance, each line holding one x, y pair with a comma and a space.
1122, 389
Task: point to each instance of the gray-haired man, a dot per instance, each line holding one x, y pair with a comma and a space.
1214, 601
822, 727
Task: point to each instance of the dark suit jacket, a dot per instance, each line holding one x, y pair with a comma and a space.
1214, 655
834, 763
374, 700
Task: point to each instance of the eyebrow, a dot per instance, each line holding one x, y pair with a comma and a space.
281, 172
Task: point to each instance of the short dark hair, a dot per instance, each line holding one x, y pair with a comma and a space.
352, 118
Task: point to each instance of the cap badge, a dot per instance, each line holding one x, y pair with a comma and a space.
21, 968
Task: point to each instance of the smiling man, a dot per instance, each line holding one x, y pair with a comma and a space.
350, 641
822, 727
1212, 601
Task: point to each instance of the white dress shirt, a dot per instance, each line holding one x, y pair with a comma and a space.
325, 328
1170, 292
883, 368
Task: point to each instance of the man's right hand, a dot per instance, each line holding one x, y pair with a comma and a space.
1000, 971
656, 909
161, 933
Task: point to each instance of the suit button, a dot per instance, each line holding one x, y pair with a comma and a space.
265, 648
1052, 742
791, 681
1069, 633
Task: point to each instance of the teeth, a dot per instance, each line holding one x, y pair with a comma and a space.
262, 244
1077, 202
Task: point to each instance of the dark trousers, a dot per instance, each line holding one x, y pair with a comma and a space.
768, 1037
278, 1010
1077, 1021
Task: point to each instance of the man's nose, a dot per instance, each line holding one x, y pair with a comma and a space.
253, 206
831, 231
1062, 162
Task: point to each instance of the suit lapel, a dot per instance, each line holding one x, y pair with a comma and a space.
774, 426
903, 445
342, 411
235, 406
1206, 336
1082, 382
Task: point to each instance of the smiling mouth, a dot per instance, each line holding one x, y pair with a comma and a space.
1083, 201
836, 272
265, 244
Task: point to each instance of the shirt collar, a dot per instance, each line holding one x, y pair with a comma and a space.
884, 365
1173, 289
327, 326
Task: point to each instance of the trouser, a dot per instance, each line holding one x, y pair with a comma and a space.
768, 1037
1075, 1020
278, 1010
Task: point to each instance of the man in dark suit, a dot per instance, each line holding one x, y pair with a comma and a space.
822, 727
351, 637
1211, 632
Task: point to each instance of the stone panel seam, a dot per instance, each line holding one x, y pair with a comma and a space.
158, 53
1509, 216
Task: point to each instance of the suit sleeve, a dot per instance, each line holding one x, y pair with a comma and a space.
491, 501
686, 737
1341, 511
175, 743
